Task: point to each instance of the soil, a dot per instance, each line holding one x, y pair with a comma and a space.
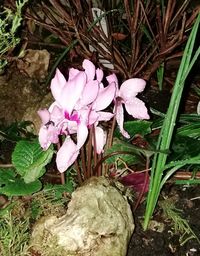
166, 243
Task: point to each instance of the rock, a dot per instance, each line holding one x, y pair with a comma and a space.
34, 63
23, 91
31, 112
98, 222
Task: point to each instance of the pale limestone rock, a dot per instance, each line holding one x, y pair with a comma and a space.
98, 222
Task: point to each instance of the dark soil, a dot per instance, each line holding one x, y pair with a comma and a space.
166, 243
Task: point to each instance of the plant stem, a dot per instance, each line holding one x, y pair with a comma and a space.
94, 146
89, 157
78, 171
62, 175
62, 178
110, 141
83, 162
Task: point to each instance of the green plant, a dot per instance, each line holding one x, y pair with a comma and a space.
28, 165
180, 225
9, 25
164, 142
29, 162
14, 231
19, 213
17, 131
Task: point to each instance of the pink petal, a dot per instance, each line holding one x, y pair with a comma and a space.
72, 73
66, 155
92, 118
100, 137
70, 126
71, 93
82, 128
89, 93
57, 114
48, 135
89, 69
57, 84
43, 140
120, 119
136, 108
99, 74
82, 133
105, 97
104, 116
131, 87
112, 78
44, 115
53, 133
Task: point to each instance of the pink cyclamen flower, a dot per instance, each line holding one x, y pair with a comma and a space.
127, 95
79, 103
62, 118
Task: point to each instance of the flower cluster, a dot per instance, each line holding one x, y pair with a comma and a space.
80, 103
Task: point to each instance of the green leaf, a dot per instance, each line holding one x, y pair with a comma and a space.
29, 159
59, 189
7, 174
187, 182
130, 155
190, 130
135, 127
11, 185
184, 147
34, 173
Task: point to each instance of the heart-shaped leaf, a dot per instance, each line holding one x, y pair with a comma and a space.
11, 185
29, 159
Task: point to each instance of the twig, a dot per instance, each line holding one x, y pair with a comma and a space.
6, 165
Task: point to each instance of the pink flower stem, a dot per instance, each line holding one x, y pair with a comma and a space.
89, 157
95, 147
83, 163
62, 177
110, 141
99, 171
78, 171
